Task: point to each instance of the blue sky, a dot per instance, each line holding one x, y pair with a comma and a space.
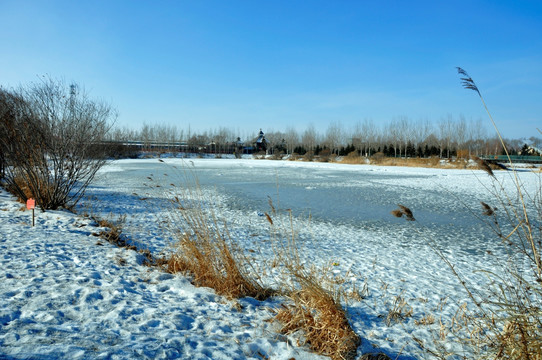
247, 65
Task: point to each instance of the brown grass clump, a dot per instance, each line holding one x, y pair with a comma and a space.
354, 158
315, 293
204, 248
322, 319
212, 262
114, 230
20, 187
431, 162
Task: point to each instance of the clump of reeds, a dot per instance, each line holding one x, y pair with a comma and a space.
114, 228
315, 300
323, 321
204, 248
483, 165
354, 158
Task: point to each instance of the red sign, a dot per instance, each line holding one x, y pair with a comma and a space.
30, 204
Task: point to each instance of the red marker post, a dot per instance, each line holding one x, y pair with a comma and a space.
31, 204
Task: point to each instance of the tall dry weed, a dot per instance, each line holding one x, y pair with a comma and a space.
205, 250
315, 295
204, 247
504, 318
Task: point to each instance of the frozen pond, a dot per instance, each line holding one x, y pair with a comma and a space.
358, 197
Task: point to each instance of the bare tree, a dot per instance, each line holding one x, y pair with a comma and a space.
369, 135
421, 130
334, 137
393, 134
57, 135
405, 133
309, 138
292, 139
445, 135
460, 133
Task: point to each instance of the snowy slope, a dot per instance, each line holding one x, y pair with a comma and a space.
66, 294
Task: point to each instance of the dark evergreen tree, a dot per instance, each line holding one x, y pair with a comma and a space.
419, 152
317, 150
300, 150
410, 150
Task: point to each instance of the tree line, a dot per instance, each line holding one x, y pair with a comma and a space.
401, 137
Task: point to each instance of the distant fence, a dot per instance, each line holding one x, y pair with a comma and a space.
514, 158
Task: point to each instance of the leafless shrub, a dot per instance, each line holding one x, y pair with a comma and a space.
52, 141
377, 158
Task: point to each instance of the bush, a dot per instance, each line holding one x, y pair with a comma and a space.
378, 157
52, 141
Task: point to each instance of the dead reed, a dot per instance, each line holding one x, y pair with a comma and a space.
113, 232
403, 211
315, 296
324, 323
204, 248
504, 318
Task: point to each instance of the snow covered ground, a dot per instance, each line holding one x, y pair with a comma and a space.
65, 293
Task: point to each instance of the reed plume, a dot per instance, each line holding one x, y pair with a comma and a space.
403, 211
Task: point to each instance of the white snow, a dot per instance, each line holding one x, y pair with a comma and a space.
65, 293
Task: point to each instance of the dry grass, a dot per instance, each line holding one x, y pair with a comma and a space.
354, 159
204, 248
114, 230
315, 296
212, 262
433, 162
20, 187
427, 319
460, 162
323, 321
206, 251
503, 319
403, 211
399, 311
506, 322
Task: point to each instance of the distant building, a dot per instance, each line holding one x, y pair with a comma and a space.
261, 142
530, 151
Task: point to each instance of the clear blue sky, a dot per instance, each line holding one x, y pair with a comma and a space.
273, 64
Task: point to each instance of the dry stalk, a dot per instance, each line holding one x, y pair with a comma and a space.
205, 249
